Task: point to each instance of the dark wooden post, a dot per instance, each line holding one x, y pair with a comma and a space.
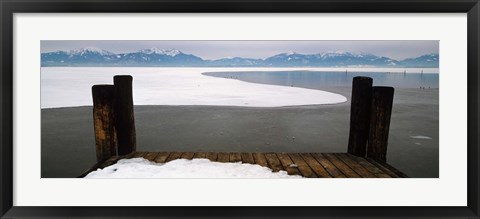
360, 111
380, 123
125, 122
104, 121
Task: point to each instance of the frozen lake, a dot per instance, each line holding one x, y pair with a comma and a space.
71, 86
68, 87
67, 133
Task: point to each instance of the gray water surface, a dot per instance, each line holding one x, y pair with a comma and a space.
319, 79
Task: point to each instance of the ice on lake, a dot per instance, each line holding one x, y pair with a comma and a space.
71, 86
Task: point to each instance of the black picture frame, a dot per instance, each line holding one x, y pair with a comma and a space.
9, 7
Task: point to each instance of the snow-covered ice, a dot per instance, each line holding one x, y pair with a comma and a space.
71, 86
183, 168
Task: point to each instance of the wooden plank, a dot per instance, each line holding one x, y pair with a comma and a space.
395, 170
199, 155
187, 155
362, 171
137, 154
384, 169
342, 166
388, 169
151, 156
162, 157
306, 164
302, 165
174, 156
288, 164
235, 157
128, 156
327, 165
247, 158
223, 157
260, 159
370, 167
212, 156
315, 166
109, 162
273, 162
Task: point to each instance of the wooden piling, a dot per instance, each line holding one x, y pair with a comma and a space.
382, 101
104, 121
360, 112
125, 122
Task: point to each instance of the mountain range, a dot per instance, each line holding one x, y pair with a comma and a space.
94, 57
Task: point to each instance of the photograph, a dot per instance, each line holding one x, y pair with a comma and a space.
239, 109
291, 109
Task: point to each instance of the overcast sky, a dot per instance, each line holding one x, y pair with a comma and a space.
254, 49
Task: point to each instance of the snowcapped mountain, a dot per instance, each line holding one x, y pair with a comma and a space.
92, 56
99, 57
158, 57
429, 60
89, 51
329, 59
235, 62
167, 52
170, 57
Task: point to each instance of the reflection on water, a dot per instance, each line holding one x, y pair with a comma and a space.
318, 79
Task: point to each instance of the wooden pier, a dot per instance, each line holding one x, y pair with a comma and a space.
310, 165
367, 147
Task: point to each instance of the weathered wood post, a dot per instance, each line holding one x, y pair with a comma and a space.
104, 121
125, 122
360, 112
380, 123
